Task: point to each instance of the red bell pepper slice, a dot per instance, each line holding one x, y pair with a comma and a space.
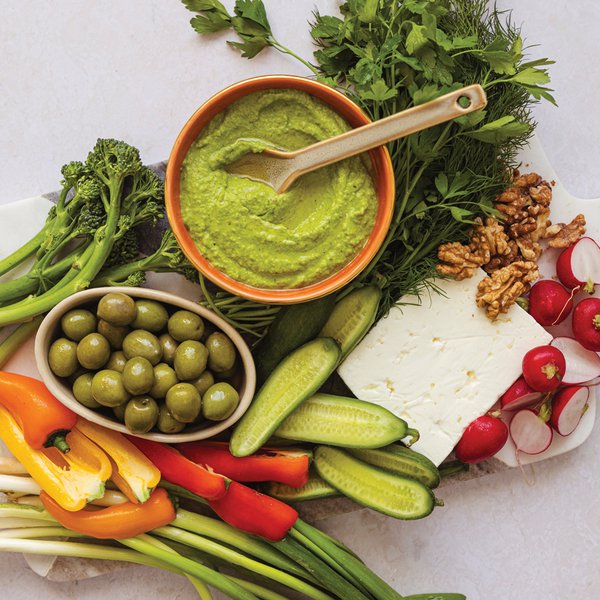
256, 513
286, 466
177, 469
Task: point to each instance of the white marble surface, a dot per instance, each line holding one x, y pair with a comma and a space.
71, 71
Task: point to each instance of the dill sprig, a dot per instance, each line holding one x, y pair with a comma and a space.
391, 55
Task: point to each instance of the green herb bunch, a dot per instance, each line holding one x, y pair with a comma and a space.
389, 55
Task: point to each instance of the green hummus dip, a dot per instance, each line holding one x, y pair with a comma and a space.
265, 239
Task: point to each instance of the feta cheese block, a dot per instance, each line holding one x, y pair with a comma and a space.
441, 363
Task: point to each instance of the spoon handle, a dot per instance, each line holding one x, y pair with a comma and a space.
417, 118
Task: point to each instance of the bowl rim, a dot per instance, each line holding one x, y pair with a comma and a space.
47, 330
380, 161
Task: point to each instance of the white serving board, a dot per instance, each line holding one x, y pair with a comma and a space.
564, 207
20, 220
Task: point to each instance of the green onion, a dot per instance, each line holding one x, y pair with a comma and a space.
240, 560
217, 530
375, 585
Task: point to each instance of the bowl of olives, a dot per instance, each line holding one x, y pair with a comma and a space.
146, 363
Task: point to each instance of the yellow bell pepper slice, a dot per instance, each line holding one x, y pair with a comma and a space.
72, 479
133, 473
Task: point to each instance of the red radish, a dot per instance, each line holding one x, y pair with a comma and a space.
579, 265
529, 432
549, 302
568, 407
544, 368
482, 439
519, 395
586, 323
582, 365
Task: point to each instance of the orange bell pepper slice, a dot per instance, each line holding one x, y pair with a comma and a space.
118, 521
44, 420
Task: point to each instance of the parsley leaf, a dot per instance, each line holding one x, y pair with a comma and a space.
213, 15
499, 130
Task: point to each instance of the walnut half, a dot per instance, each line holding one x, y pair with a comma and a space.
563, 236
500, 290
457, 261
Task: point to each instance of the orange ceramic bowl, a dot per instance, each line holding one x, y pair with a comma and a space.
382, 171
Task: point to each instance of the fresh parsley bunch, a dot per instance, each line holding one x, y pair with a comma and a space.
389, 55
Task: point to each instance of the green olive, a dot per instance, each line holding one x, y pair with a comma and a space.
142, 343
151, 315
185, 325
184, 402
221, 352
219, 402
166, 422
117, 308
141, 414
78, 323
164, 379
93, 351
138, 376
203, 382
190, 359
62, 357
168, 345
114, 334
117, 361
119, 412
228, 375
82, 390
108, 388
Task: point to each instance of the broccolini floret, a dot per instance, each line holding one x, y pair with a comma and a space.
102, 201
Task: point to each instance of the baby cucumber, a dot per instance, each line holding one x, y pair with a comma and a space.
293, 326
296, 378
314, 488
393, 495
402, 461
346, 422
352, 318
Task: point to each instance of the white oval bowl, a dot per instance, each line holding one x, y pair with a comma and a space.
48, 331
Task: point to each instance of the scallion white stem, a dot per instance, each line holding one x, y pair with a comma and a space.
11, 466
15, 483
14, 522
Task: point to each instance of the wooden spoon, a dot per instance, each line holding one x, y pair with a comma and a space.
280, 169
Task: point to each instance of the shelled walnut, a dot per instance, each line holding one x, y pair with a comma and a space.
563, 236
514, 238
500, 290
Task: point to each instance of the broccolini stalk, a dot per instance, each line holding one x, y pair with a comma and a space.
36, 280
17, 338
22, 254
110, 193
167, 258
